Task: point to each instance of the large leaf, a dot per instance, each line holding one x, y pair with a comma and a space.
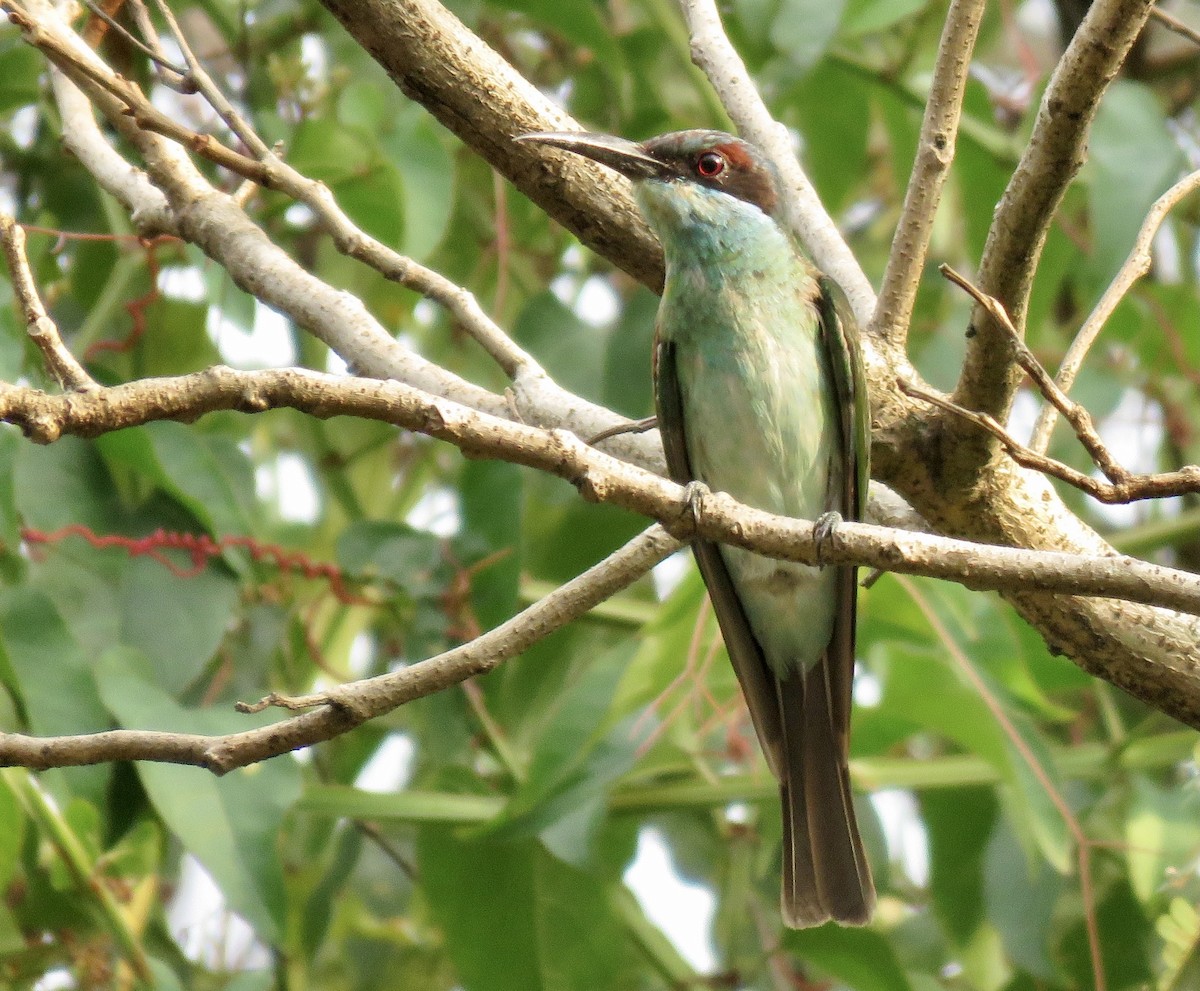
857, 958
1133, 158
515, 917
230, 823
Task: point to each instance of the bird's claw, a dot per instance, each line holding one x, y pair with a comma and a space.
824, 531
693, 492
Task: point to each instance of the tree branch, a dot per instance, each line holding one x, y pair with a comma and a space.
1134, 267
806, 215
344, 708
600, 478
439, 63
42, 330
1055, 153
193, 210
935, 153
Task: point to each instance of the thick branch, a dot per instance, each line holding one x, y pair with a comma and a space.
439, 63
1056, 151
600, 478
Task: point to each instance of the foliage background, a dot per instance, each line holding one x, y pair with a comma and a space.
500, 862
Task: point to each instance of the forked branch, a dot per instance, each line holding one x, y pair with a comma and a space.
1123, 486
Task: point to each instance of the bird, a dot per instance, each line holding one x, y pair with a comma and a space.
760, 393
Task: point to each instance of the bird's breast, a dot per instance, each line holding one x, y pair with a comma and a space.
759, 421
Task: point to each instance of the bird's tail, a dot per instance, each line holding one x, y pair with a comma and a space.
825, 872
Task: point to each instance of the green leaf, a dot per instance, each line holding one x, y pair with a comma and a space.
229, 824
578, 22
803, 29
393, 551
580, 754
1132, 159
871, 16
177, 621
492, 516
428, 173
20, 68
54, 675
12, 833
54, 679
1020, 895
958, 822
515, 917
859, 958
1162, 834
205, 472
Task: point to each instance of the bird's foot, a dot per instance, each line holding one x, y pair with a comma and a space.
632, 427
824, 530
693, 492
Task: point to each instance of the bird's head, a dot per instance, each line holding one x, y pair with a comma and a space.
683, 180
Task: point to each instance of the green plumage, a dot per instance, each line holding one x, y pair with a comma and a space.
760, 394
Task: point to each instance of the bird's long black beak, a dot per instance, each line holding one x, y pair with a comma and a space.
626, 157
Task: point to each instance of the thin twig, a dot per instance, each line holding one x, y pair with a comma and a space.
1083, 843
157, 57
347, 706
1129, 488
210, 91
1134, 267
1079, 418
41, 329
1123, 486
1173, 23
935, 153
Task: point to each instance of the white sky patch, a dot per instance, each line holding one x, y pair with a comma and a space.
335, 364
436, 512
207, 932
1024, 414
390, 767
596, 303
299, 215
268, 345
182, 282
908, 843
360, 654
22, 125
289, 482
565, 287
315, 55
683, 911
424, 313
667, 574
868, 691
1168, 260
1134, 433
56, 980
8, 201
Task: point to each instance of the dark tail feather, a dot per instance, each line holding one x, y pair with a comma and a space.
825, 872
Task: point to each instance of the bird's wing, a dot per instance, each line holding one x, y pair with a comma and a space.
840, 864
839, 331
758, 683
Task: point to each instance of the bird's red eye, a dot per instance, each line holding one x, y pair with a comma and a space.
710, 164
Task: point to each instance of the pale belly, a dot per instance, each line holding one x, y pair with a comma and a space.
759, 427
